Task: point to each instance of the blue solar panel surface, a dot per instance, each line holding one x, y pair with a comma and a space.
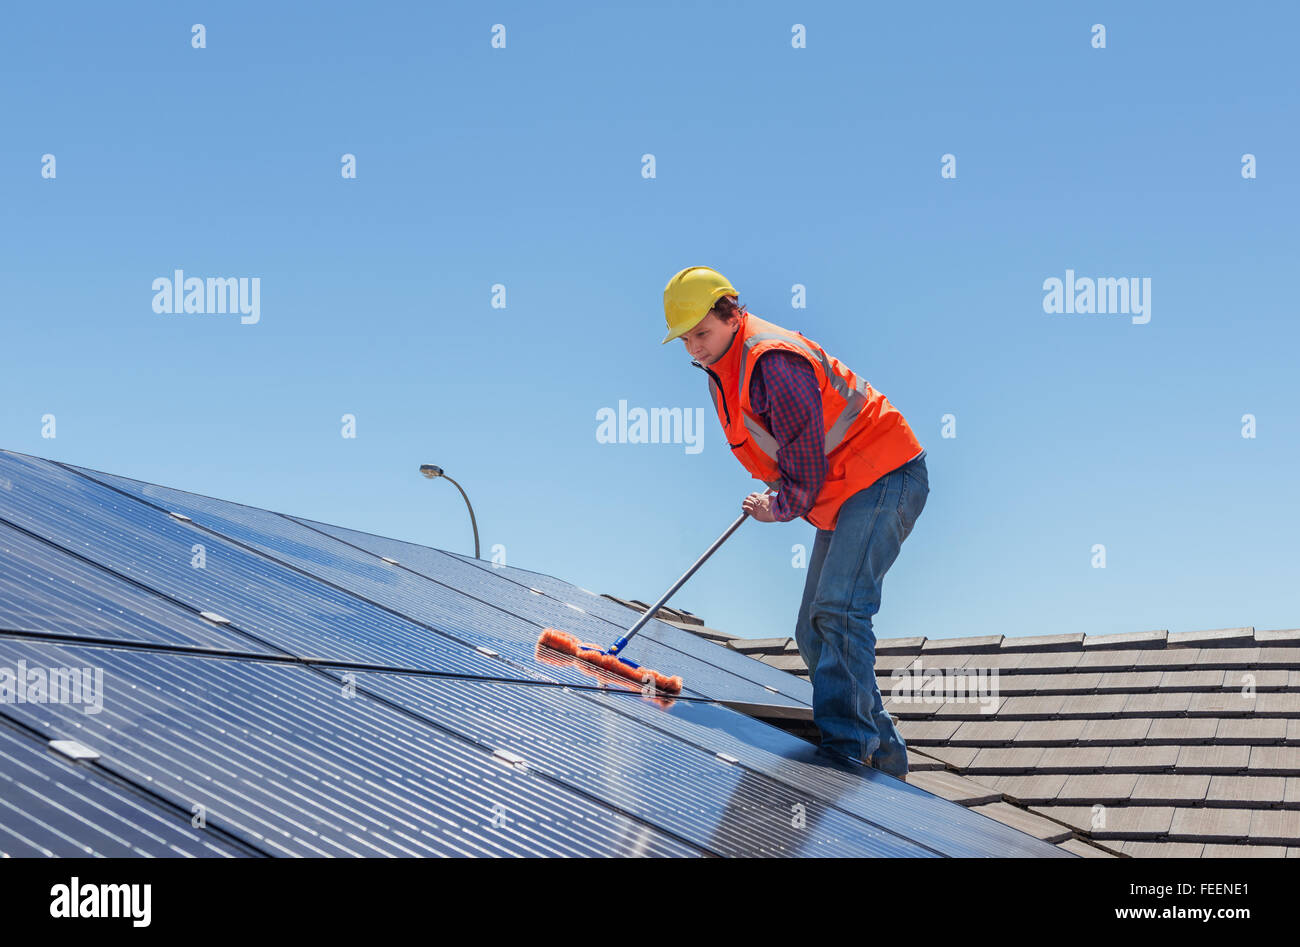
282, 758
46, 590
564, 605
52, 807
458, 598
344, 705
271, 605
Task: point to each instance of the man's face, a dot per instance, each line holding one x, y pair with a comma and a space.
707, 342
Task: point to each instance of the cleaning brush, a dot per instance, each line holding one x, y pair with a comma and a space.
611, 659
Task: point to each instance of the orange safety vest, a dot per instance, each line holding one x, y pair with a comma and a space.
866, 436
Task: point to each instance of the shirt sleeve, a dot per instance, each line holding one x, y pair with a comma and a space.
784, 395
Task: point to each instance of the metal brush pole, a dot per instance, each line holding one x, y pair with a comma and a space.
621, 643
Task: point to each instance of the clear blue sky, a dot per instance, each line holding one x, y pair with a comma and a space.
817, 166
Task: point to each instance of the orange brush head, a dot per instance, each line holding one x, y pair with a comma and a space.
560, 641
569, 644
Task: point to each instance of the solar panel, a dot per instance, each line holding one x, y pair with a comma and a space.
350, 706
704, 665
720, 803
273, 606
51, 807
44, 589
631, 745
457, 598
891, 803
277, 756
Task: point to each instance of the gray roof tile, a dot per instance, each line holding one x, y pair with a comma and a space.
1279, 760
953, 787
948, 709
908, 710
1251, 730
1004, 662
1292, 796
1257, 791
956, 756
761, 645
986, 732
1091, 788
1160, 704
1047, 732
1170, 788
1093, 705
1277, 658
928, 731
1073, 759
1028, 822
1004, 759
1041, 787
1279, 704
1041, 643
1219, 636
1210, 825
885, 666
918, 760
1113, 822
1206, 678
1182, 729
1172, 659
1129, 681
962, 645
1029, 707
1140, 849
1220, 758
1142, 759
1109, 660
1265, 678
1220, 704
1080, 847
711, 634
1128, 639
1115, 730
1228, 850
1231, 657
899, 645
1056, 683
784, 662
1033, 661
1276, 826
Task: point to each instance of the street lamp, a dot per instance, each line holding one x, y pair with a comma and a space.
430, 471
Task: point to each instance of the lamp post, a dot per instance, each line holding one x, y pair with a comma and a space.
431, 471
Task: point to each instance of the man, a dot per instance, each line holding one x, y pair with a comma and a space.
840, 456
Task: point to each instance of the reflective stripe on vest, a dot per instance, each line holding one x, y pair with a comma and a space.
854, 398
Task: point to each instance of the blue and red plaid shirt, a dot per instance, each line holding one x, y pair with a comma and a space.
784, 395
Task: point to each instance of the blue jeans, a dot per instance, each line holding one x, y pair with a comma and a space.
841, 594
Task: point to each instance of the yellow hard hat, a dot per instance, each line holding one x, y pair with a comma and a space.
690, 295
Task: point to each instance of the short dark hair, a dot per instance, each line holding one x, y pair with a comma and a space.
728, 307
